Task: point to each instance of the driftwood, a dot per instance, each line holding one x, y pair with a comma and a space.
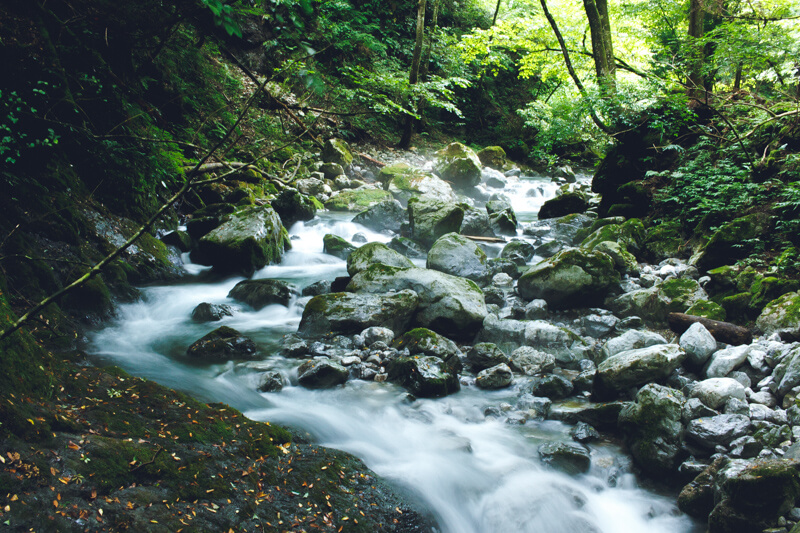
721, 331
371, 159
484, 239
213, 167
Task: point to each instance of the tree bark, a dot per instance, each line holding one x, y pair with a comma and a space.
695, 80
602, 47
413, 78
496, 12
721, 331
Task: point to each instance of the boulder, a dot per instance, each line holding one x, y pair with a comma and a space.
707, 309
564, 204
313, 187
259, 293
518, 248
348, 314
458, 165
493, 157
223, 344
569, 457
321, 374
698, 344
652, 429
271, 381
458, 256
634, 368
206, 312
425, 376
407, 247
496, 377
632, 339
375, 253
388, 215
502, 218
732, 241
767, 488
787, 373
553, 386
782, 316
650, 304
725, 361
476, 223
624, 261
426, 342
293, 206
715, 392
430, 219
337, 151
718, 430
337, 246
405, 182
631, 233
331, 171
531, 361
572, 278
509, 335
179, 239
485, 355
357, 199
248, 241
449, 305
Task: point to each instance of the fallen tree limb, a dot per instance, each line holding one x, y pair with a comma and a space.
213, 167
721, 331
371, 159
484, 239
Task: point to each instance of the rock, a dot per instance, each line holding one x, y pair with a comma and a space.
598, 326
388, 215
270, 382
313, 187
707, 309
377, 334
697, 498
624, 261
448, 305
732, 241
745, 447
459, 256
552, 386
650, 304
630, 233
536, 408
698, 343
493, 157
536, 309
331, 171
459, 165
496, 377
426, 342
715, 392
583, 432
568, 457
248, 241
223, 344
632, 339
564, 204
652, 429
357, 199
337, 246
405, 182
767, 488
179, 239
502, 218
721, 331
519, 248
348, 314
782, 316
430, 219
292, 206
259, 293
634, 368
407, 247
531, 361
375, 253
664, 240
485, 355
718, 430
337, 151
476, 223
425, 377
571, 278
321, 374
682, 293
509, 335
727, 360
788, 372
206, 312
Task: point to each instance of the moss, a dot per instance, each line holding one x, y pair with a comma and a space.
357, 199
736, 305
707, 309
766, 289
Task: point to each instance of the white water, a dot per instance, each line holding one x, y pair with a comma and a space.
476, 474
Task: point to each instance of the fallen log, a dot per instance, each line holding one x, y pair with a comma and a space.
721, 331
484, 239
213, 167
371, 159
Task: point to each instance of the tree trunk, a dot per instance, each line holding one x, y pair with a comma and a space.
496, 12
695, 80
602, 48
408, 130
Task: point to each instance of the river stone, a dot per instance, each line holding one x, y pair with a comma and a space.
597, 326
407, 247
493, 157
313, 187
223, 344
206, 312
375, 334
389, 215
571, 278
632, 339
768, 487
348, 314
426, 342
536, 309
521, 248
248, 241
698, 343
650, 304
496, 377
337, 246
782, 316
337, 151
718, 430
292, 206
259, 293
357, 199
511, 334
636, 367
531, 361
431, 218
179, 239
321, 374
564, 204
476, 223
787, 373
624, 261
552, 386
417, 183
459, 256
449, 305
725, 361
270, 382
631, 233
502, 218
715, 392
583, 432
485, 355
375, 253
569, 457
425, 376
459, 165
652, 429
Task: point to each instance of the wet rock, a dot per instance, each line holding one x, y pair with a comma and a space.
631, 340
377, 334
718, 430
293, 206
430, 219
652, 428
564, 204
630, 233
787, 372
523, 249
459, 165
694, 408
375, 253
531, 361
223, 344
552, 386
536, 309
425, 377
745, 447
597, 326
259, 293
600, 415
179, 239
348, 314
476, 223
206, 312
509, 335
270, 382
698, 343
321, 374
715, 392
426, 342
634, 368
389, 215
458, 256
317, 288
337, 246
583, 432
496, 377
697, 498
568, 457
407, 247
485, 355
650, 304
405, 182
502, 218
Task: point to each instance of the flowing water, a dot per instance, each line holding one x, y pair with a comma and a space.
476, 474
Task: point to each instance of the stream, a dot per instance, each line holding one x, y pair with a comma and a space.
475, 473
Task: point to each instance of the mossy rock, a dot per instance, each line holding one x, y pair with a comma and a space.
624, 261
782, 316
459, 165
682, 293
631, 233
723, 279
596, 225
92, 297
564, 204
223, 344
664, 241
293, 206
337, 151
766, 488
375, 253
337, 246
259, 293
707, 309
430, 219
427, 342
767, 289
736, 305
735, 240
456, 255
214, 210
425, 376
493, 157
348, 314
357, 199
